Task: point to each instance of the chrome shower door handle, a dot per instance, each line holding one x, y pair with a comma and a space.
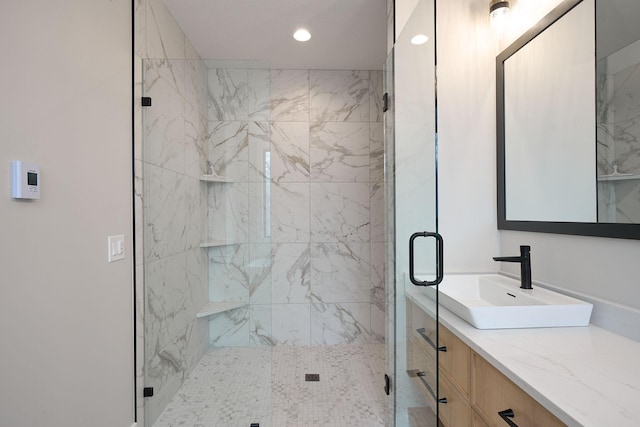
439, 259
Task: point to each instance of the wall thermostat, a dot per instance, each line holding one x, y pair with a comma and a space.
26, 180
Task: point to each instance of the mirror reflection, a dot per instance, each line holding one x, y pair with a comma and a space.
555, 99
618, 110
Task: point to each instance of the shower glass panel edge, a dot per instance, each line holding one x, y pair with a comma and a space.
411, 206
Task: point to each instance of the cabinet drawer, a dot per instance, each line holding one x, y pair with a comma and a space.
457, 411
422, 327
455, 362
492, 392
422, 368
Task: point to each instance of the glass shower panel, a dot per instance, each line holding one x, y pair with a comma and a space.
411, 168
207, 242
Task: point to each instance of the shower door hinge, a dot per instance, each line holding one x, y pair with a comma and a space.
387, 384
146, 101
147, 392
385, 102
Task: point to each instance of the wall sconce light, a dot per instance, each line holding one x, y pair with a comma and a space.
498, 10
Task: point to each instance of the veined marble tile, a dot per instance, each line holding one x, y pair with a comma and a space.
228, 211
230, 329
167, 301
343, 323
140, 335
229, 273
195, 142
164, 38
260, 212
291, 324
289, 212
260, 267
260, 325
376, 152
289, 152
259, 152
165, 210
227, 94
165, 369
339, 152
197, 283
340, 272
197, 343
172, 71
337, 95
378, 275
164, 127
196, 86
375, 97
340, 212
378, 325
376, 200
229, 149
138, 90
289, 95
195, 220
258, 94
290, 273
138, 200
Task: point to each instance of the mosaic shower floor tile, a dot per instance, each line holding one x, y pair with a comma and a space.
238, 386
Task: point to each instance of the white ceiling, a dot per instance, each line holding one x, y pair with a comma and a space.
346, 34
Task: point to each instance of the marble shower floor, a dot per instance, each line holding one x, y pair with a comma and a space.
237, 386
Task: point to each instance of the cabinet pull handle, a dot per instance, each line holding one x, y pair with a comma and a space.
443, 400
506, 415
423, 334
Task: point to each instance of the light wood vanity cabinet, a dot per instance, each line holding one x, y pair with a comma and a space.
475, 391
492, 392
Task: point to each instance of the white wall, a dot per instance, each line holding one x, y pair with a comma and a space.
65, 313
466, 132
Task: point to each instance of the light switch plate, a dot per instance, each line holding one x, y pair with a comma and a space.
115, 248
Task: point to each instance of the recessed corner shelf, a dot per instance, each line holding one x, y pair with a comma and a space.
218, 307
214, 243
215, 178
618, 177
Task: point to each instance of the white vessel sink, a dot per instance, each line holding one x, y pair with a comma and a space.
496, 302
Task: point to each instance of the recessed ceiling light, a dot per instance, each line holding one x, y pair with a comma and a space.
419, 39
302, 35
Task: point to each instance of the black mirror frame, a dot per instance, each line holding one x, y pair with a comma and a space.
619, 231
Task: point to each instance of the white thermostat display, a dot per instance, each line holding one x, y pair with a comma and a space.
26, 180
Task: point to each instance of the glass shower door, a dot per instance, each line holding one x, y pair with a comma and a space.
206, 167
414, 249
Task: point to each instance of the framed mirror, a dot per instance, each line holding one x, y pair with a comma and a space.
568, 123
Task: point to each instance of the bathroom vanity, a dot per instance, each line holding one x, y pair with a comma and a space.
584, 376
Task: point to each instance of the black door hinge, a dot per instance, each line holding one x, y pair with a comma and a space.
385, 102
146, 101
147, 392
387, 384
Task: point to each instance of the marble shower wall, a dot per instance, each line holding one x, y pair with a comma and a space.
309, 264
170, 205
619, 135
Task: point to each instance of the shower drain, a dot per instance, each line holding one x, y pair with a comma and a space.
312, 377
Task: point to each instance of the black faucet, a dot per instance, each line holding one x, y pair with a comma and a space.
525, 265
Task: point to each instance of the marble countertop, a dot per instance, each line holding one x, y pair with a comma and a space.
586, 376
